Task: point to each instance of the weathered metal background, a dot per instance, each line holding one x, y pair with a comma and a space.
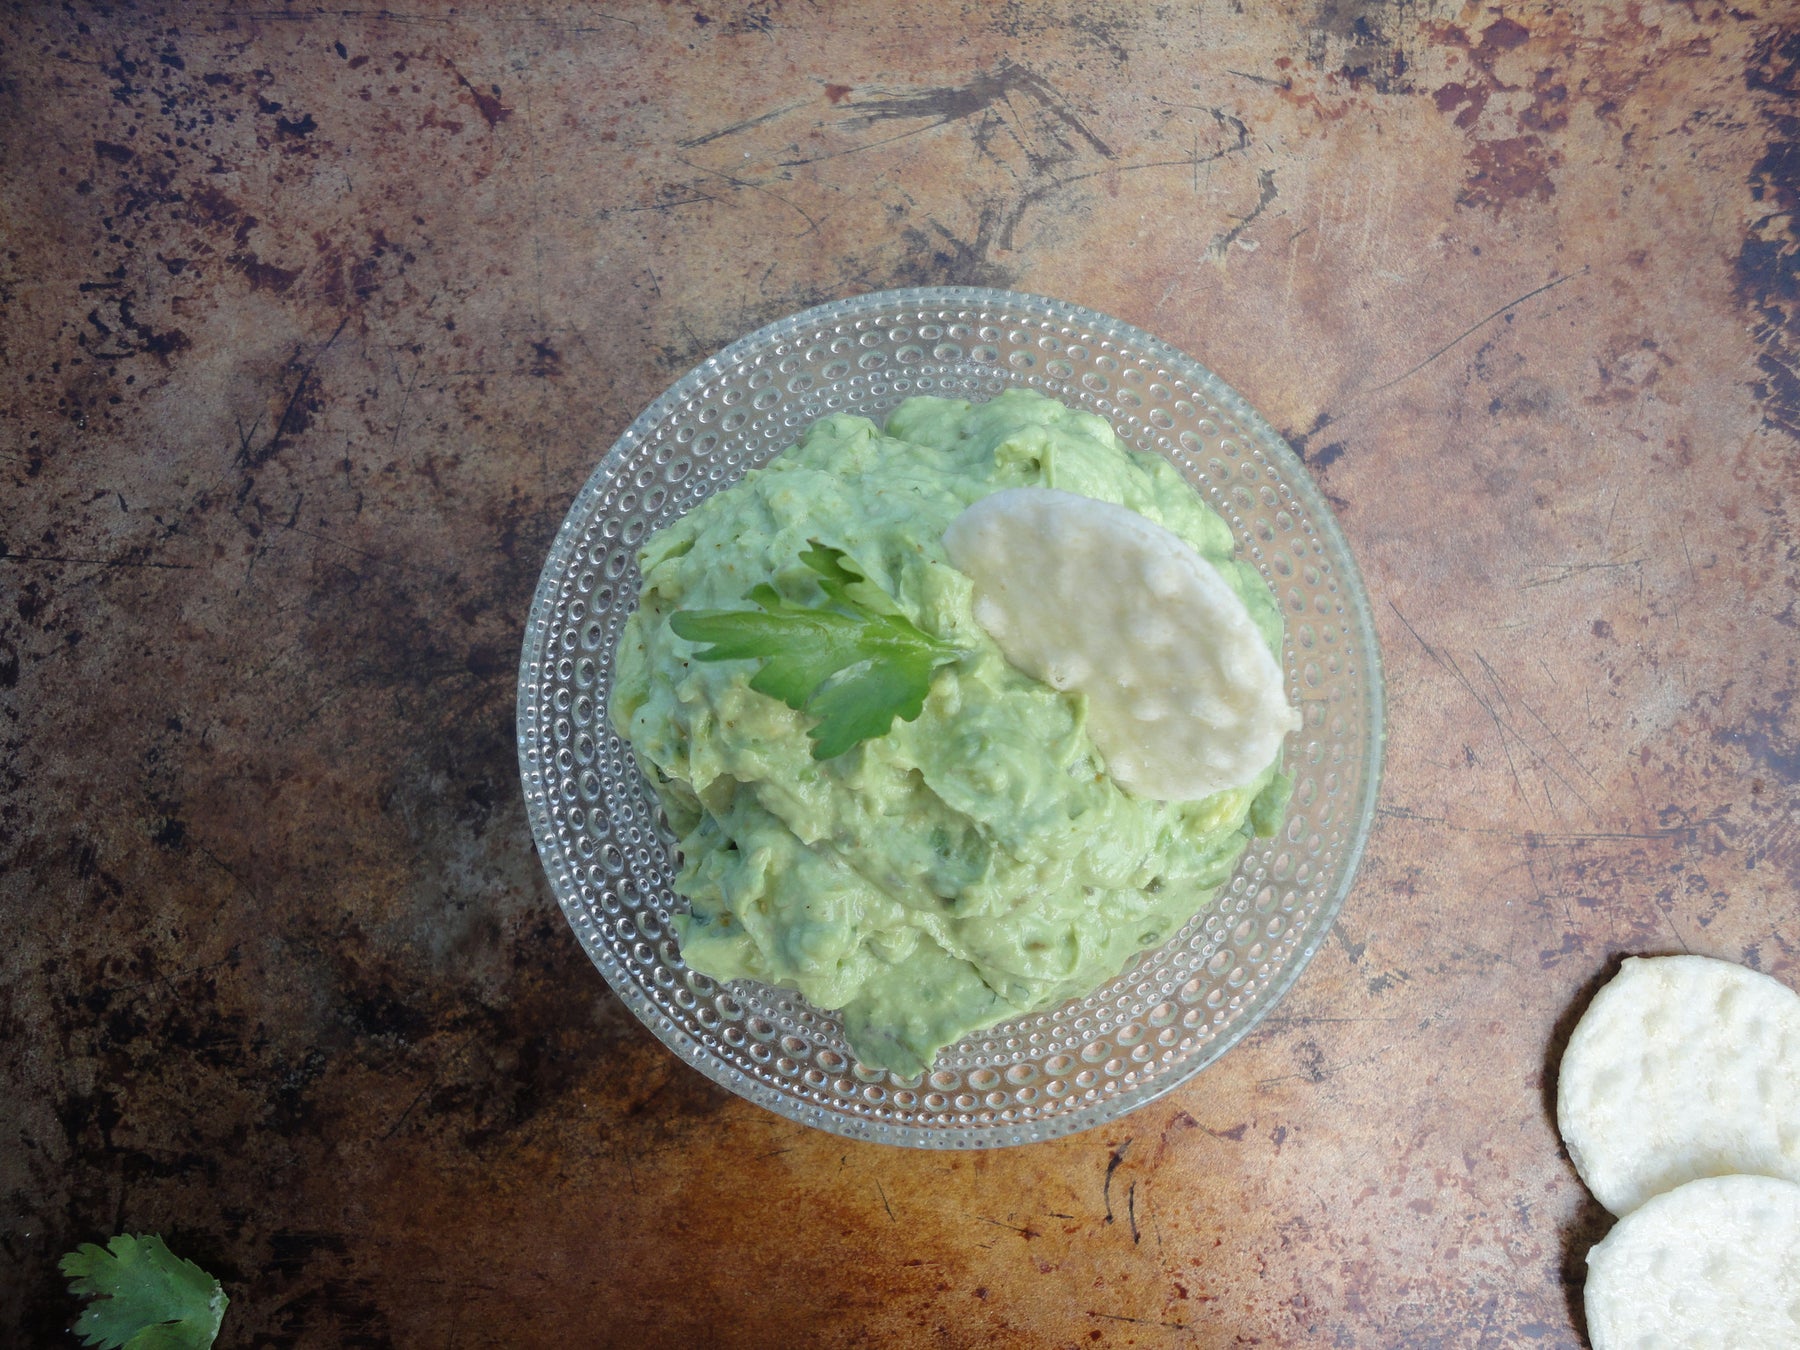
314, 321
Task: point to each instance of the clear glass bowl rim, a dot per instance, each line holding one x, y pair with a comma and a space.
1296, 478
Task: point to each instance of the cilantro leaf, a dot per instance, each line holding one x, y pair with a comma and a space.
855, 666
843, 583
145, 1296
864, 705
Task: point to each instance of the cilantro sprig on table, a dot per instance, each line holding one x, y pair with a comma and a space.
144, 1296
882, 661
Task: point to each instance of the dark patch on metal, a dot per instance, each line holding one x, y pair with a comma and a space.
1523, 397
1549, 110
264, 276
1364, 43
488, 104
934, 256
1506, 169
1509, 170
1300, 440
956, 103
116, 333
1765, 738
546, 361
304, 399
1768, 261
1326, 456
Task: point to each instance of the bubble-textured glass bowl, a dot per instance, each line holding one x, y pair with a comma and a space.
611, 859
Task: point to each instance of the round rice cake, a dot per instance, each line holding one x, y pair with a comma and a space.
1682, 1067
1714, 1263
1184, 696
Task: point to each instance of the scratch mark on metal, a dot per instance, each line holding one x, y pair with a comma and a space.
1561, 572
1669, 919
92, 562
954, 103
401, 17
1260, 79
660, 207
745, 125
856, 149
1470, 331
1112, 1165
1140, 1321
1551, 731
255, 459
1542, 761
1023, 1232
1504, 728
1320, 1074
1266, 193
1448, 662
811, 224
1037, 194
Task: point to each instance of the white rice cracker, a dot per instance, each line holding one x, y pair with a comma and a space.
1682, 1067
1714, 1263
1184, 697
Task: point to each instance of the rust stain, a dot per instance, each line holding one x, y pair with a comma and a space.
1503, 171
1549, 109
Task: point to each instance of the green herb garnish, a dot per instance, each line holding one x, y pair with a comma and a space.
145, 1296
882, 661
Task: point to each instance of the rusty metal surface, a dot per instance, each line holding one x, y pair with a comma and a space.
316, 319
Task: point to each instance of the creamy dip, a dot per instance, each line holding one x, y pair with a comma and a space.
969, 866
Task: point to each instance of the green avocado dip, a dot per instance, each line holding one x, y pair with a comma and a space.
971, 865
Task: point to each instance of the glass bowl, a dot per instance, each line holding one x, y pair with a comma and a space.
611, 859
